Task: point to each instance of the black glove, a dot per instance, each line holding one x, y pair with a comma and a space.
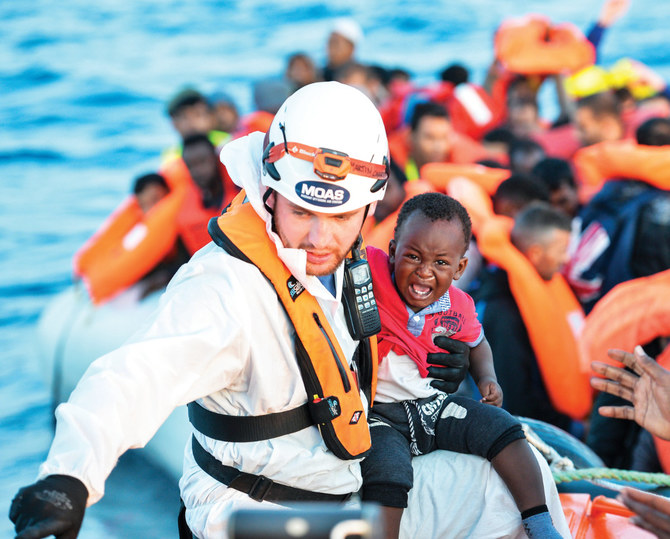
448, 369
54, 505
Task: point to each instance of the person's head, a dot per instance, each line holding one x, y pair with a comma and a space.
455, 74
557, 175
344, 36
542, 234
354, 74
598, 118
654, 132
202, 161
190, 112
498, 140
516, 192
300, 70
325, 165
428, 248
430, 133
523, 116
524, 154
225, 111
149, 189
270, 93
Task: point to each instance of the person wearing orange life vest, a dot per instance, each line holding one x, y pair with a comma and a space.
431, 139
235, 329
542, 234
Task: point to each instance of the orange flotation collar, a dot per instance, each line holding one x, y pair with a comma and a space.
326, 374
612, 160
441, 174
533, 45
552, 316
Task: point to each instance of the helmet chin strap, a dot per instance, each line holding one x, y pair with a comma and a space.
266, 196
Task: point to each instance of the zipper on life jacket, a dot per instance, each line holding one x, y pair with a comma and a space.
340, 367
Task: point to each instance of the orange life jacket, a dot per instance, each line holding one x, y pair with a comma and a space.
441, 174
380, 234
258, 120
533, 45
129, 244
326, 374
193, 217
552, 317
473, 111
621, 159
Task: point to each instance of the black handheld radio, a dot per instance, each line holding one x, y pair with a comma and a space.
359, 301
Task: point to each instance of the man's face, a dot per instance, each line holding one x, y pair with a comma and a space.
150, 196
196, 118
566, 199
592, 129
550, 257
431, 141
201, 161
426, 257
326, 237
340, 49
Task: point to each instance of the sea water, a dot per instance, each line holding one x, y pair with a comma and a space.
83, 87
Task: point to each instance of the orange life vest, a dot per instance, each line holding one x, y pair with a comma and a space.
533, 45
193, 217
380, 234
621, 159
129, 244
326, 373
552, 317
258, 120
441, 174
473, 111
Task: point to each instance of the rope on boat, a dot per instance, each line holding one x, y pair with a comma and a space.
564, 476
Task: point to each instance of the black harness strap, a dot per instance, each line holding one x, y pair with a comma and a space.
257, 487
230, 428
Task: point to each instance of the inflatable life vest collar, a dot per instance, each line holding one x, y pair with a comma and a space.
327, 378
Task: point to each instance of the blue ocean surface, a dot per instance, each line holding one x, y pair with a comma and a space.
82, 113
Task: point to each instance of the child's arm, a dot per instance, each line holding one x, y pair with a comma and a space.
481, 369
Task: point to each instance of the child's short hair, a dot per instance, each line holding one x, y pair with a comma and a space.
144, 181
436, 207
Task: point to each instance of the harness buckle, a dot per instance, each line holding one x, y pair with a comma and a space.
259, 490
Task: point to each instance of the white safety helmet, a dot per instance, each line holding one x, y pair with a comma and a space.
326, 150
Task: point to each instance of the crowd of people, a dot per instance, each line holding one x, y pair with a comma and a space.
561, 212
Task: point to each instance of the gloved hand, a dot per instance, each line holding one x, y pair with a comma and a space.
448, 369
54, 505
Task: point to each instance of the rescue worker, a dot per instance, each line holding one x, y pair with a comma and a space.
235, 329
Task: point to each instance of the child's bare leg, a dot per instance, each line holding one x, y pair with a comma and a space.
520, 471
517, 466
391, 518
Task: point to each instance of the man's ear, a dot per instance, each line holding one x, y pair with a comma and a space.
462, 264
392, 246
534, 254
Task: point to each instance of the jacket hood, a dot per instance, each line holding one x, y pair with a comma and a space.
243, 160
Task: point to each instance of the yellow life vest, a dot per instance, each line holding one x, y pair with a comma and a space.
334, 400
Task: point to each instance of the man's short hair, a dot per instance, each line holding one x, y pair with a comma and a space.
455, 73
535, 222
197, 138
428, 108
554, 173
436, 207
654, 132
521, 189
186, 97
601, 104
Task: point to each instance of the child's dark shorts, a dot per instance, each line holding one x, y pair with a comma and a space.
404, 429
